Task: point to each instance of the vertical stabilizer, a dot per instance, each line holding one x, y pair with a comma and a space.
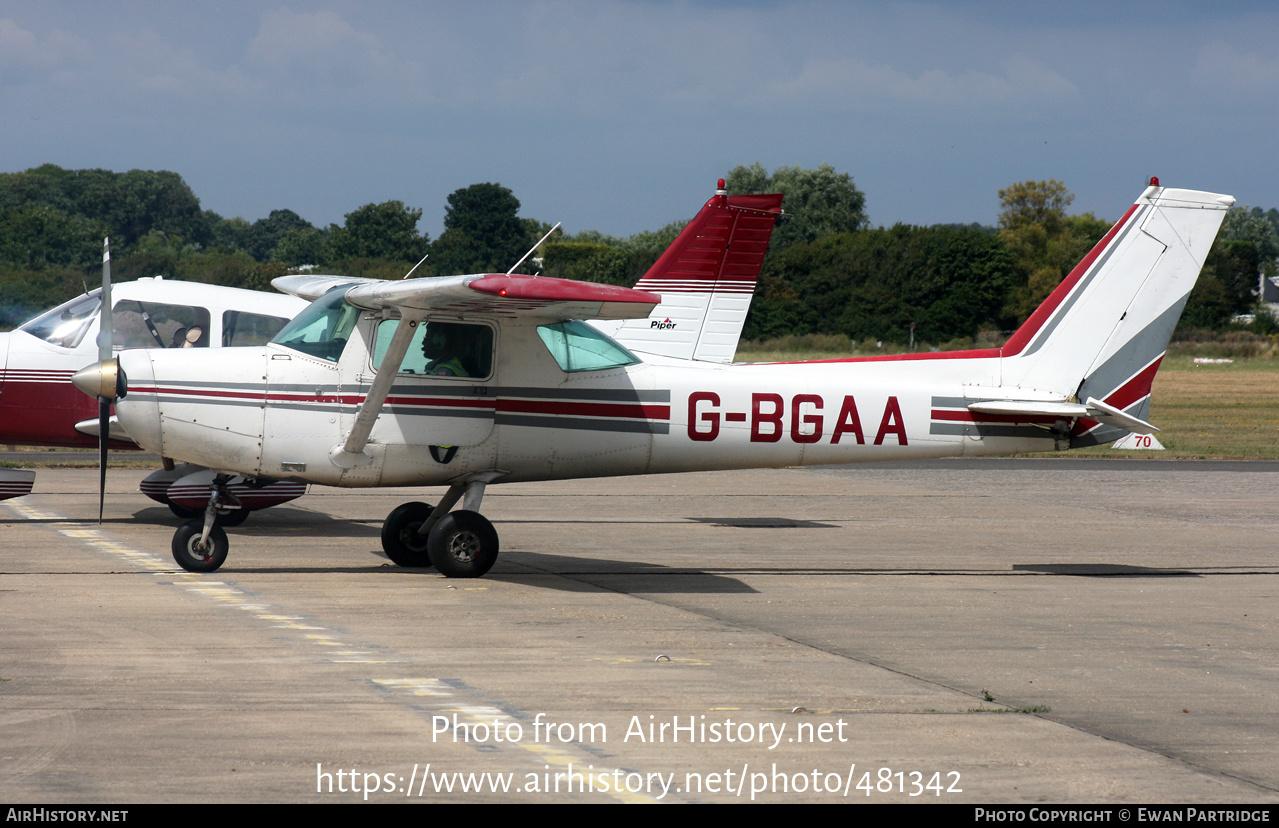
706, 279
1101, 334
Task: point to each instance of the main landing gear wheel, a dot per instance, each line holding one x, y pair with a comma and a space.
188, 553
401, 541
463, 545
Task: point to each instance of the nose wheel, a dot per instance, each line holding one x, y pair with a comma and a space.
195, 556
200, 545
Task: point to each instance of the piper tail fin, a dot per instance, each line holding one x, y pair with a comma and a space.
1099, 337
706, 279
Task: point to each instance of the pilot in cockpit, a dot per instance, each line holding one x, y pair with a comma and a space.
443, 346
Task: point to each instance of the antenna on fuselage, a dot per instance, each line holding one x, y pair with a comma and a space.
534, 247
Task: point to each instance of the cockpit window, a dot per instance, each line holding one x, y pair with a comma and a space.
323, 328
66, 324
241, 328
441, 349
577, 346
158, 325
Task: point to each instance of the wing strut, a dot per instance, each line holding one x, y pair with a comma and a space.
351, 453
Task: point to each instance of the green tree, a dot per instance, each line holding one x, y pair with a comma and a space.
379, 231
1045, 242
818, 201
482, 231
37, 236
129, 204
264, 234
875, 283
301, 246
229, 233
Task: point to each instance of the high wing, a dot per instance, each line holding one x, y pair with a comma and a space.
493, 294
511, 296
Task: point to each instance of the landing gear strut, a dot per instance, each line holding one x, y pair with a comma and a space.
461, 544
201, 545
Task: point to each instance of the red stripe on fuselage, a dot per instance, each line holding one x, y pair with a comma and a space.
638, 411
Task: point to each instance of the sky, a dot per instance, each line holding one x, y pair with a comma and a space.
619, 115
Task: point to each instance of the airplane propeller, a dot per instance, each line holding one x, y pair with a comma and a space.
104, 379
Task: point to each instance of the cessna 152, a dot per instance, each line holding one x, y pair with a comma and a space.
465, 381
38, 404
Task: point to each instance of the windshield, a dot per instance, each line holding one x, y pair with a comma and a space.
323, 328
577, 346
66, 324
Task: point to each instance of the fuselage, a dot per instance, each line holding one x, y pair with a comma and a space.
278, 412
38, 403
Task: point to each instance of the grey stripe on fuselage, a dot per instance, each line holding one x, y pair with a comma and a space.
949, 429
539, 421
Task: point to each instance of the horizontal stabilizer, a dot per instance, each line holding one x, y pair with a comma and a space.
1108, 414
1030, 408
1094, 410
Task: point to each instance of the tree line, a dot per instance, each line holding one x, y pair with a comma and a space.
827, 272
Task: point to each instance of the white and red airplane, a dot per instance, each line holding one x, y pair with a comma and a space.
40, 407
463, 381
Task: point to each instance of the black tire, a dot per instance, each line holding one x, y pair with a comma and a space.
401, 541
463, 545
232, 517
196, 560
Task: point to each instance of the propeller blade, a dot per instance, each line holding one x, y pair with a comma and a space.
106, 335
104, 427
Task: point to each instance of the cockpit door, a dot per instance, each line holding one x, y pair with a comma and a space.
443, 392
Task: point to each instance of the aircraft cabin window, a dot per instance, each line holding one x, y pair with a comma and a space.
240, 328
323, 328
66, 324
441, 349
577, 346
157, 325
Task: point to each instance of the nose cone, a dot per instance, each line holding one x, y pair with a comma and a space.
101, 379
